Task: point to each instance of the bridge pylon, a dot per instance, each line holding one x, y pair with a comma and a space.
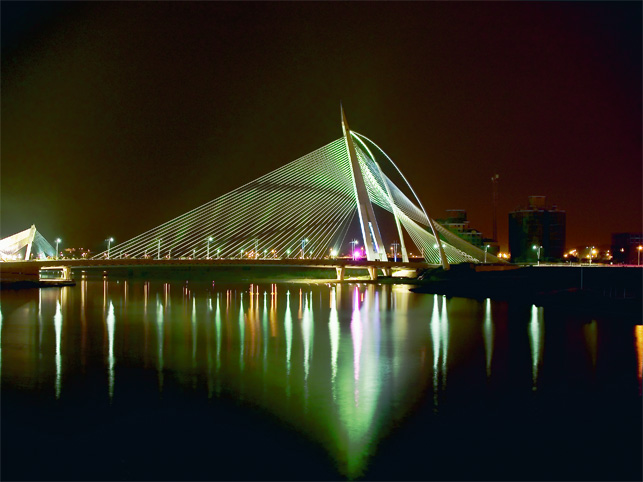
373, 244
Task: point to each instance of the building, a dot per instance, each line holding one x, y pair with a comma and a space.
458, 223
625, 248
537, 225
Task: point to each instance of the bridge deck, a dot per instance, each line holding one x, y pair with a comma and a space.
308, 263
30, 269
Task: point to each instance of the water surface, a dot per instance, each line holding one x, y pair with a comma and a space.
119, 379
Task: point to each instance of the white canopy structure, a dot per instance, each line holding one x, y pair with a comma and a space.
25, 245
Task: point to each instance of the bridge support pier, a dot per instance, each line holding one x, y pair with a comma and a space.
66, 273
387, 272
372, 272
341, 271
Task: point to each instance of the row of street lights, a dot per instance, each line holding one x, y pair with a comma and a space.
304, 241
333, 253
354, 253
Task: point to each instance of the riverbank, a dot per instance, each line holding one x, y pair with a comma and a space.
615, 291
28, 284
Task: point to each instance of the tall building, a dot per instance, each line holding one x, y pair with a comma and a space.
625, 247
537, 225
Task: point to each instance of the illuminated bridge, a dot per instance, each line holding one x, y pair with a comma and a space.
31, 270
303, 210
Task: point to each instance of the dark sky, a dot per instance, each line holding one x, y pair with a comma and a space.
118, 116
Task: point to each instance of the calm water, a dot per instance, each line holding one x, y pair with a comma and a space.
124, 379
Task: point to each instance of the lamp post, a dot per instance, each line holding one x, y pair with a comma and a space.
218, 251
158, 252
394, 247
536, 247
303, 245
354, 244
208, 253
487, 247
287, 253
109, 244
639, 248
57, 243
591, 252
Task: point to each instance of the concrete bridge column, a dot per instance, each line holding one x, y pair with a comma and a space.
66, 273
341, 271
372, 272
387, 272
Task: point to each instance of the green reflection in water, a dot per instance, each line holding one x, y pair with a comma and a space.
58, 325
217, 323
435, 339
444, 334
193, 332
488, 335
264, 331
355, 432
536, 340
307, 336
111, 323
288, 333
334, 332
344, 372
160, 334
242, 333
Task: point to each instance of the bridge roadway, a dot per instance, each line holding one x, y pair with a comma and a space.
29, 270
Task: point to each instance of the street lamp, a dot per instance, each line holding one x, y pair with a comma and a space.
287, 253
394, 247
536, 247
218, 251
639, 248
303, 245
591, 252
158, 252
109, 243
208, 253
57, 243
487, 247
354, 244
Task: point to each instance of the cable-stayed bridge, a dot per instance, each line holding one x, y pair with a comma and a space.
303, 210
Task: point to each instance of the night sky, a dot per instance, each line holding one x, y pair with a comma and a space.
119, 116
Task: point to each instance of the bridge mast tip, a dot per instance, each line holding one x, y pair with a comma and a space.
344, 121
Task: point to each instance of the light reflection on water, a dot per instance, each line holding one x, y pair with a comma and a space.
342, 363
638, 333
488, 335
536, 340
